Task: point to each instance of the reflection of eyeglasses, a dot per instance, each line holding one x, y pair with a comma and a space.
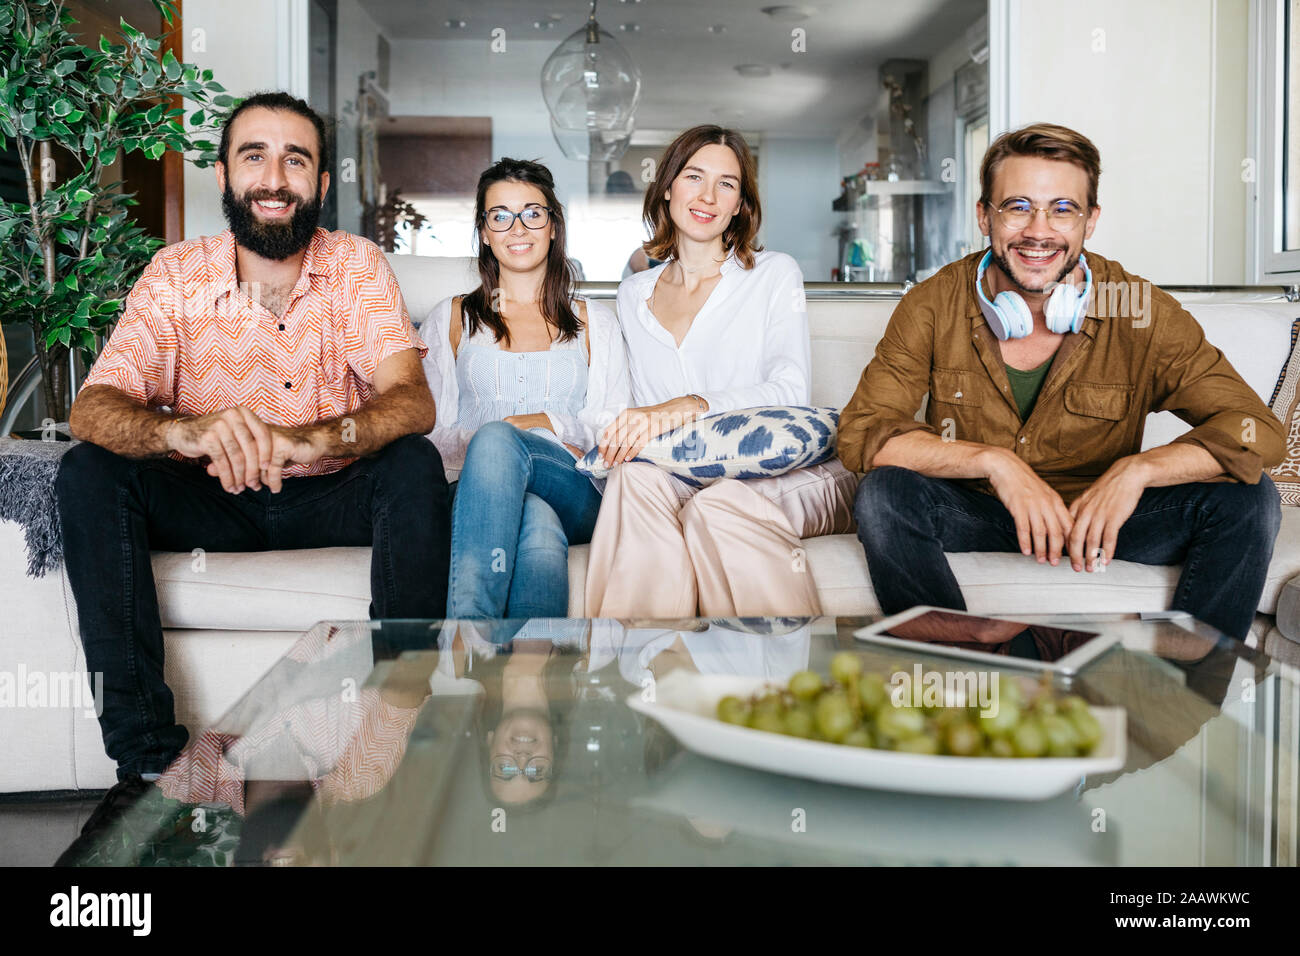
1062, 214
503, 220
535, 771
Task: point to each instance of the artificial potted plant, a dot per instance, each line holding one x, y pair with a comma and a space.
70, 254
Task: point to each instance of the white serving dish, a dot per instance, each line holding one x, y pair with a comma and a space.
686, 705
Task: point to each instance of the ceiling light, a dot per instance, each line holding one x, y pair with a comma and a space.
591, 87
753, 69
630, 27
456, 24
718, 28
786, 13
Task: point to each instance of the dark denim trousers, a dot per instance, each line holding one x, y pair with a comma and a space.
1222, 533
115, 510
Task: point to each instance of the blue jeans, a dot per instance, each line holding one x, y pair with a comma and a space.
519, 504
115, 510
1222, 533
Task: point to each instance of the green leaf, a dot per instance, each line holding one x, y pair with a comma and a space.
70, 283
171, 66
83, 195
107, 85
197, 118
127, 29
61, 108
64, 67
104, 45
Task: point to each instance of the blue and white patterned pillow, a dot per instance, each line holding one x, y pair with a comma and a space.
747, 443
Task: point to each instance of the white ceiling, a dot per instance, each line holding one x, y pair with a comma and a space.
688, 69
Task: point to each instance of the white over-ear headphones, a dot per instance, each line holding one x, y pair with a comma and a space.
1008, 314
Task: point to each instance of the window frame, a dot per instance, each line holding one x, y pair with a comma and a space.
1269, 262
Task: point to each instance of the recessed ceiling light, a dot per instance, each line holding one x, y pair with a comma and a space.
718, 28
786, 13
456, 24
753, 69
630, 27
543, 24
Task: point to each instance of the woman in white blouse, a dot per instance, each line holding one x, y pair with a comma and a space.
525, 375
720, 326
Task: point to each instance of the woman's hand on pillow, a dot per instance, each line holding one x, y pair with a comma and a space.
626, 435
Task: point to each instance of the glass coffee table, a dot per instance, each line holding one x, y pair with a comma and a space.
511, 742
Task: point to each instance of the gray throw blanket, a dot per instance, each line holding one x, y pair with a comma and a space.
27, 473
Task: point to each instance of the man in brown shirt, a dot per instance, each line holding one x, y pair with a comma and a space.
1042, 362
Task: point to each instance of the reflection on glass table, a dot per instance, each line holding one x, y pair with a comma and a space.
511, 742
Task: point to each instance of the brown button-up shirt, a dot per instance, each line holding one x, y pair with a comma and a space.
1138, 351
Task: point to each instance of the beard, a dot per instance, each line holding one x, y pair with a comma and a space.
1005, 265
273, 240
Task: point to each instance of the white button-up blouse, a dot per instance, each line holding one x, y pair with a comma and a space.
747, 346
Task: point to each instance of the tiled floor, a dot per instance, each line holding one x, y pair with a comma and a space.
33, 832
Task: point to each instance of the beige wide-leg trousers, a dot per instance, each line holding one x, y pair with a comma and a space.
664, 549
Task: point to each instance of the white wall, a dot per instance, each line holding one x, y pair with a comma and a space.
797, 179
243, 60
1160, 87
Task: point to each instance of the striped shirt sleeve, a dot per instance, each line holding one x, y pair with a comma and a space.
377, 324
140, 357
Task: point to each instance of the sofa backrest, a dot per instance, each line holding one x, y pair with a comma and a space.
1254, 332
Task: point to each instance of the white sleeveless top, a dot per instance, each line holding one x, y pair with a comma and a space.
487, 386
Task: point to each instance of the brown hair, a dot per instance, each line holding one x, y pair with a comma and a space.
557, 287
1047, 141
741, 233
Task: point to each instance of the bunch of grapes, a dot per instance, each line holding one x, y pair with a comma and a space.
855, 708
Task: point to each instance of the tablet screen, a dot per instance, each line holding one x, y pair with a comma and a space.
989, 635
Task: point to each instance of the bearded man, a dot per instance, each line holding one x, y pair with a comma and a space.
262, 391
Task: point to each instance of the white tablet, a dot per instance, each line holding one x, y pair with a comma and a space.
991, 640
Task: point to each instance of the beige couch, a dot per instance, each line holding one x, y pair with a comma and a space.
228, 622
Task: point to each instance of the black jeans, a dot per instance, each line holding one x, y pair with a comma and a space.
114, 510
1222, 533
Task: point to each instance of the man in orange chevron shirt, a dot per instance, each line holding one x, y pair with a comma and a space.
262, 391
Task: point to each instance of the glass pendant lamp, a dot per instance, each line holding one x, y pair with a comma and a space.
591, 87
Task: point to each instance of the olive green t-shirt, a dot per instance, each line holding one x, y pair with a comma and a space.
1025, 386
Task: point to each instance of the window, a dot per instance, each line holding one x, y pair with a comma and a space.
1277, 118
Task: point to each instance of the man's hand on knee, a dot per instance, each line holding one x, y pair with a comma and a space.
1043, 523
1101, 511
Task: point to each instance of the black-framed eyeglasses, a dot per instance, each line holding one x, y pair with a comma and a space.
1063, 215
535, 771
500, 219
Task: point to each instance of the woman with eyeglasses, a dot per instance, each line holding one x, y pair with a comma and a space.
525, 375
720, 326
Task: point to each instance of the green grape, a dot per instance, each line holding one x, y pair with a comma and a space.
1062, 739
768, 720
799, 722
1044, 706
859, 736
733, 710
872, 692
1087, 727
1001, 747
1071, 703
922, 744
846, 668
1001, 723
834, 716
963, 739
900, 722
1010, 689
806, 685
1028, 739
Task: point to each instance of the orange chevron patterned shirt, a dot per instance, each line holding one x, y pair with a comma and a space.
190, 339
